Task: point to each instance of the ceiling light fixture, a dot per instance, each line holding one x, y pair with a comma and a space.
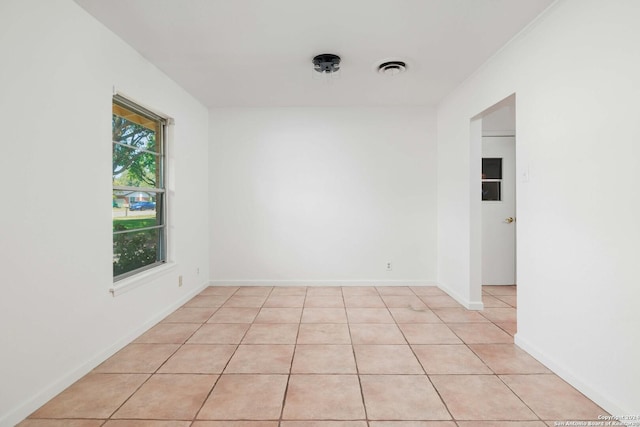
392, 68
326, 63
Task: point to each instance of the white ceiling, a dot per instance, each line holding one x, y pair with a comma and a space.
258, 52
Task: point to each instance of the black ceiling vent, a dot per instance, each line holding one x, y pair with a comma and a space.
391, 68
326, 63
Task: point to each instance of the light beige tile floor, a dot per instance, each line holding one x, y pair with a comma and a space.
323, 357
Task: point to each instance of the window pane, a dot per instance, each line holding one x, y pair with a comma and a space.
135, 250
134, 129
491, 190
136, 162
491, 168
137, 209
134, 168
133, 222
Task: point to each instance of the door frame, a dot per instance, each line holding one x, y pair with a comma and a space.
475, 204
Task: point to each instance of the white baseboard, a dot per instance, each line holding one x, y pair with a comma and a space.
468, 304
322, 283
565, 373
29, 406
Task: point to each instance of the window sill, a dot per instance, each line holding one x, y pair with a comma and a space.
130, 283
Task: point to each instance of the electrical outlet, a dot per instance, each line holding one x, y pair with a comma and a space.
389, 266
179, 281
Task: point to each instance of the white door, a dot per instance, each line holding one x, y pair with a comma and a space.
498, 211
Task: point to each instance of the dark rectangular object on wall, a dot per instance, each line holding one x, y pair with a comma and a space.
491, 168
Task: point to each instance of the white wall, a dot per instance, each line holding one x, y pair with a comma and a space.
575, 75
57, 317
500, 119
323, 195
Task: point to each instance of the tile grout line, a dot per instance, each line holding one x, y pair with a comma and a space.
513, 391
520, 399
444, 403
355, 362
295, 348
204, 401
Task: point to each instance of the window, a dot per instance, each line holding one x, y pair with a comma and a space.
491, 179
139, 222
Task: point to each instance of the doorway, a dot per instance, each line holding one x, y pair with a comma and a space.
493, 169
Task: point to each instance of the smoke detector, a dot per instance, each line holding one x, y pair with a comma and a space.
392, 68
326, 63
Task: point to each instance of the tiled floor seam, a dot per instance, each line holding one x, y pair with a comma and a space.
295, 347
525, 403
130, 396
194, 332
429, 379
195, 416
481, 359
502, 329
212, 314
364, 403
353, 352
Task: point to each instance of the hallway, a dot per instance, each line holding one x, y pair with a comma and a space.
332, 357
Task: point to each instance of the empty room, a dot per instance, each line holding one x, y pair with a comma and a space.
339, 213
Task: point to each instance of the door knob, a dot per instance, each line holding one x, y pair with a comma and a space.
509, 220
